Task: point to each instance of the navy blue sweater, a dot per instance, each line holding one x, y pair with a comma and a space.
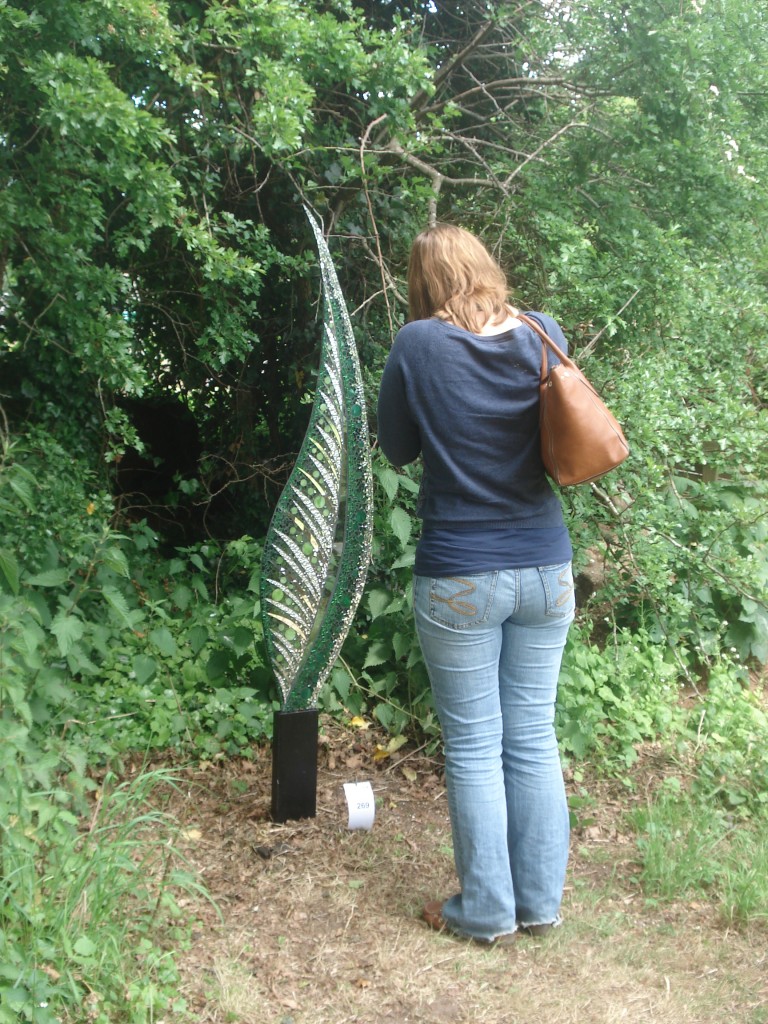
469, 405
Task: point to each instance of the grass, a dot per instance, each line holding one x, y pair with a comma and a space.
326, 929
85, 905
104, 920
692, 849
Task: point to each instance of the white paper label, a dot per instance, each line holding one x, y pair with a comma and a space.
361, 804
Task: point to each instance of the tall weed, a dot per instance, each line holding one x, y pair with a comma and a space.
706, 832
87, 905
728, 753
690, 849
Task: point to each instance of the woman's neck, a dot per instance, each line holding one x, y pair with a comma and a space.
501, 326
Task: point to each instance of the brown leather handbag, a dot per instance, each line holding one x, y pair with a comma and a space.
581, 440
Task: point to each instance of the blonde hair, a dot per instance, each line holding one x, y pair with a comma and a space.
451, 275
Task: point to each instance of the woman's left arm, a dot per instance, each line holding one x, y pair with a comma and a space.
398, 431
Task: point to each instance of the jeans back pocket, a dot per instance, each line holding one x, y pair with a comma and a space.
557, 581
460, 601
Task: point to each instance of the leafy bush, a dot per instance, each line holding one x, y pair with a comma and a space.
95, 619
89, 618
610, 701
683, 526
191, 673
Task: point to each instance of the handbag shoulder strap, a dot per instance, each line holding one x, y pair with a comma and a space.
546, 341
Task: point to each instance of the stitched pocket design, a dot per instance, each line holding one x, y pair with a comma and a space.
461, 601
558, 587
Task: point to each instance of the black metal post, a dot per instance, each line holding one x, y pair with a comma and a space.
294, 764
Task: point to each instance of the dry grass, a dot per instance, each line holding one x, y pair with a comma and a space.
320, 924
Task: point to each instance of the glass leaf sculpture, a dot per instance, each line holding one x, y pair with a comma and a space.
318, 544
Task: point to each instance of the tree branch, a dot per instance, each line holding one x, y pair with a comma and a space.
364, 174
548, 142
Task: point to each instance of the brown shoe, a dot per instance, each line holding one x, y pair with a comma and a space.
432, 913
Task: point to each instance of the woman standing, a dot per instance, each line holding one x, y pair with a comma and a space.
493, 590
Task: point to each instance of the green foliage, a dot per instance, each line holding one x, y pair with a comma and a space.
727, 732
152, 244
74, 900
688, 529
89, 872
704, 832
92, 619
176, 668
151, 240
612, 700
694, 850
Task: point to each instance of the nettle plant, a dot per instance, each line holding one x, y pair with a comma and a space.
188, 672
613, 699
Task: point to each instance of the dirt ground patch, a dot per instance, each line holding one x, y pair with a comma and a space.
318, 924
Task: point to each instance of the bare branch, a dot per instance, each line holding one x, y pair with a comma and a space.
443, 72
548, 142
537, 86
380, 257
431, 172
390, 282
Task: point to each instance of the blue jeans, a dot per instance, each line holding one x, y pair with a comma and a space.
493, 644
